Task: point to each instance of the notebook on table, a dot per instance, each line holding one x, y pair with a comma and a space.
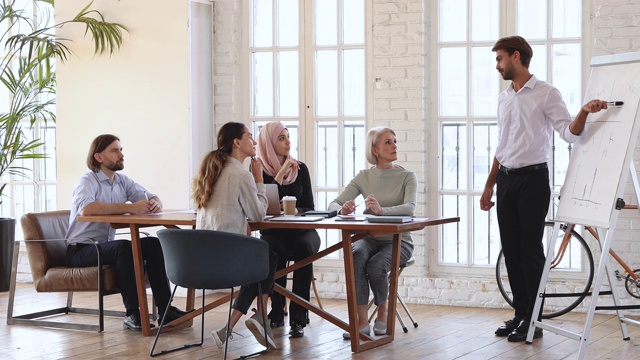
390, 219
297, 218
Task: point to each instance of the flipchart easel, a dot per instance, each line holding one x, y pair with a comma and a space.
596, 178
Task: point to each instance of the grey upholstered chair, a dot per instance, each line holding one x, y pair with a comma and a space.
207, 259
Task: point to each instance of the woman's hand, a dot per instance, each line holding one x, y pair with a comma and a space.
348, 207
256, 170
372, 204
288, 164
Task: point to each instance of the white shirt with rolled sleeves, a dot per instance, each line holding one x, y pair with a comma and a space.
526, 121
93, 187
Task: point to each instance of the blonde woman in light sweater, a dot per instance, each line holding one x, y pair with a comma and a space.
388, 189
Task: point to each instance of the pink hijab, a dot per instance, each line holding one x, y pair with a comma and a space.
272, 163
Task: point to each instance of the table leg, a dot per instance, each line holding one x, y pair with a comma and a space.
352, 305
138, 264
393, 286
369, 343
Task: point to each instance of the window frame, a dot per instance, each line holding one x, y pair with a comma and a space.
508, 27
307, 118
34, 175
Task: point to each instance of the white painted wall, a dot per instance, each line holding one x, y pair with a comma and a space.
140, 93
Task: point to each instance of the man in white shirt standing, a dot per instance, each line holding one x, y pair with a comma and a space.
529, 110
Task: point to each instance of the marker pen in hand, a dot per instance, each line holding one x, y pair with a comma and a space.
615, 103
146, 196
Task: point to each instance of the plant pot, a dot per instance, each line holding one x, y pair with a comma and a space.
7, 240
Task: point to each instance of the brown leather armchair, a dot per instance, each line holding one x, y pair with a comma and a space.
44, 235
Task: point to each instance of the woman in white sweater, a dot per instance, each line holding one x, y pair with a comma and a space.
388, 189
226, 196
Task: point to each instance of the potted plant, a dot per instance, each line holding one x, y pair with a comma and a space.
28, 51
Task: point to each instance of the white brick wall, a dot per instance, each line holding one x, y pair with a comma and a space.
401, 61
400, 64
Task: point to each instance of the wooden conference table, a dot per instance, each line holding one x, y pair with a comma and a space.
351, 231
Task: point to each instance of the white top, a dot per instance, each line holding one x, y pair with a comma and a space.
236, 198
526, 120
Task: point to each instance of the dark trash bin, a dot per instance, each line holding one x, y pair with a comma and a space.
7, 239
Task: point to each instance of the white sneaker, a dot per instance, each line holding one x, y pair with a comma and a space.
219, 336
380, 328
255, 325
364, 331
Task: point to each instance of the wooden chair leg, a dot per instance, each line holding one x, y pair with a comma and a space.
315, 292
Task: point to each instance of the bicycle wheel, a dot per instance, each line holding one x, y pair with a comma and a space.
633, 286
573, 274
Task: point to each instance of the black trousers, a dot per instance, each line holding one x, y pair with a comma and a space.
522, 206
247, 293
293, 245
120, 254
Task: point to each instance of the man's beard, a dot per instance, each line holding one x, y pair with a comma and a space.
507, 74
115, 166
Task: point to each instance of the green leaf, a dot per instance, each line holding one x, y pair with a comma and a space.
27, 71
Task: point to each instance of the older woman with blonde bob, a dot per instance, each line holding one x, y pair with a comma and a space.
388, 189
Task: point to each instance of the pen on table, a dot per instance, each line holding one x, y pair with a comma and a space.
615, 103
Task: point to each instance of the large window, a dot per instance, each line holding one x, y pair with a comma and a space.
37, 191
307, 69
467, 93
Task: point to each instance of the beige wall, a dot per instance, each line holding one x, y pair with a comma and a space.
140, 93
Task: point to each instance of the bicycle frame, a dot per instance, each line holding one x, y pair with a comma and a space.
624, 265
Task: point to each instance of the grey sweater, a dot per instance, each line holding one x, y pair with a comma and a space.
395, 189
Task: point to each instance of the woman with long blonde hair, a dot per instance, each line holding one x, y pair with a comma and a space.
227, 196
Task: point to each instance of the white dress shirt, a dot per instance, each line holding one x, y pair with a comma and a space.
526, 120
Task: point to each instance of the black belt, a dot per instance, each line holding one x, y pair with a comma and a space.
522, 170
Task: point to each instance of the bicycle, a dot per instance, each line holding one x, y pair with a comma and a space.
571, 272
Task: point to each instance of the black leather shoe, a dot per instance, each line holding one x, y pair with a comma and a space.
296, 330
508, 327
276, 324
132, 322
520, 333
276, 320
172, 314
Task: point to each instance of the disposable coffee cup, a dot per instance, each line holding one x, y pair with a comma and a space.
289, 205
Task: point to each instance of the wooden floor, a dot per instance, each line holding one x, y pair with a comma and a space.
444, 332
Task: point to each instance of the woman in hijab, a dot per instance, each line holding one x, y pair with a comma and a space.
292, 178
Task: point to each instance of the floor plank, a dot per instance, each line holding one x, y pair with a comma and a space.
443, 332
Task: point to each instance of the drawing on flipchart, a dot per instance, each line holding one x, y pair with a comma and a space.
604, 148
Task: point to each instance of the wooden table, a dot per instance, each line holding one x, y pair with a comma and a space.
354, 231
351, 231
169, 219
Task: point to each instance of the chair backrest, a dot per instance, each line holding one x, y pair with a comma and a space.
45, 254
207, 259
